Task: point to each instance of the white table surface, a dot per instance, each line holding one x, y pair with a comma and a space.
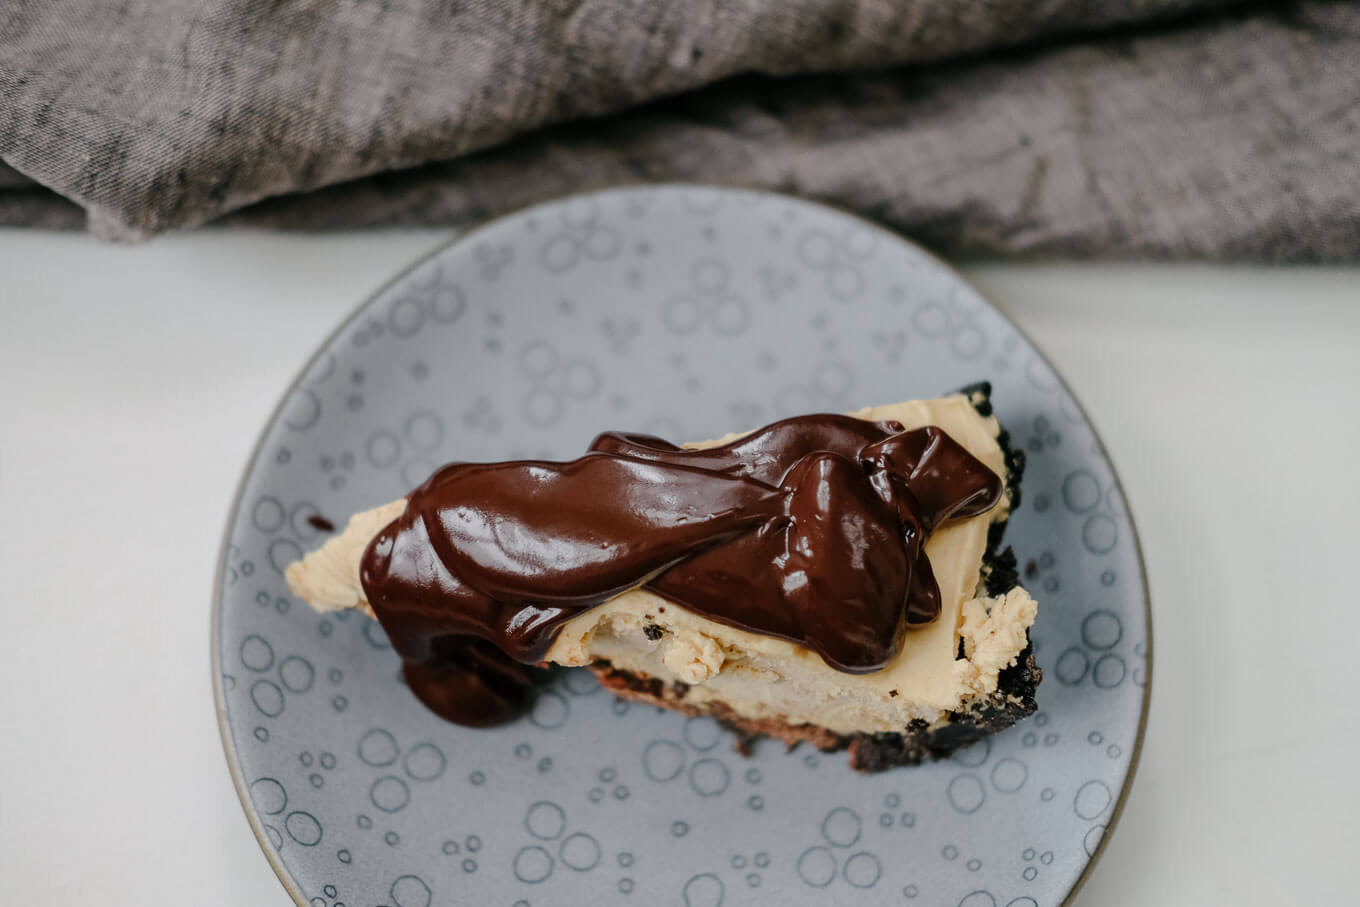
133, 382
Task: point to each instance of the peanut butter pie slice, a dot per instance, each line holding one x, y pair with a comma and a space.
830, 579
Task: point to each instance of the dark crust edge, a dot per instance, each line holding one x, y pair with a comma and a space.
920, 742
1012, 700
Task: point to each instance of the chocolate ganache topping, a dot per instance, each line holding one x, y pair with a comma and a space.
811, 529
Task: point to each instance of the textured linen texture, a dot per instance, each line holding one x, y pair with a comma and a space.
1132, 128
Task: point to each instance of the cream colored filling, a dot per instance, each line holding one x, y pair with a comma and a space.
760, 676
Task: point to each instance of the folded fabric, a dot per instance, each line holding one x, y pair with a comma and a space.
1166, 128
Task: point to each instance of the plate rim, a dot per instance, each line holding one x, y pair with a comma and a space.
289, 883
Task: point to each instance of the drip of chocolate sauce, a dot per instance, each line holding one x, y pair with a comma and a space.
811, 529
317, 521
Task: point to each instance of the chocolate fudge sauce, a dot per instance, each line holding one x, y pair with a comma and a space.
810, 529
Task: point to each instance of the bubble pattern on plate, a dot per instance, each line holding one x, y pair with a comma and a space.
688, 312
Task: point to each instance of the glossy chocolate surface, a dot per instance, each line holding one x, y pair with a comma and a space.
810, 529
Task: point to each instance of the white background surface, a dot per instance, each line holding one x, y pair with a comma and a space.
134, 380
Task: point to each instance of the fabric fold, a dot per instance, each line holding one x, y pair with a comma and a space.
1123, 128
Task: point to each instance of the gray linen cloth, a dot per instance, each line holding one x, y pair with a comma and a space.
1113, 128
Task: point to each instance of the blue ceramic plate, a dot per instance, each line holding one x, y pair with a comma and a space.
685, 312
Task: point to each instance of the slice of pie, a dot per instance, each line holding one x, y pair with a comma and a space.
835, 580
